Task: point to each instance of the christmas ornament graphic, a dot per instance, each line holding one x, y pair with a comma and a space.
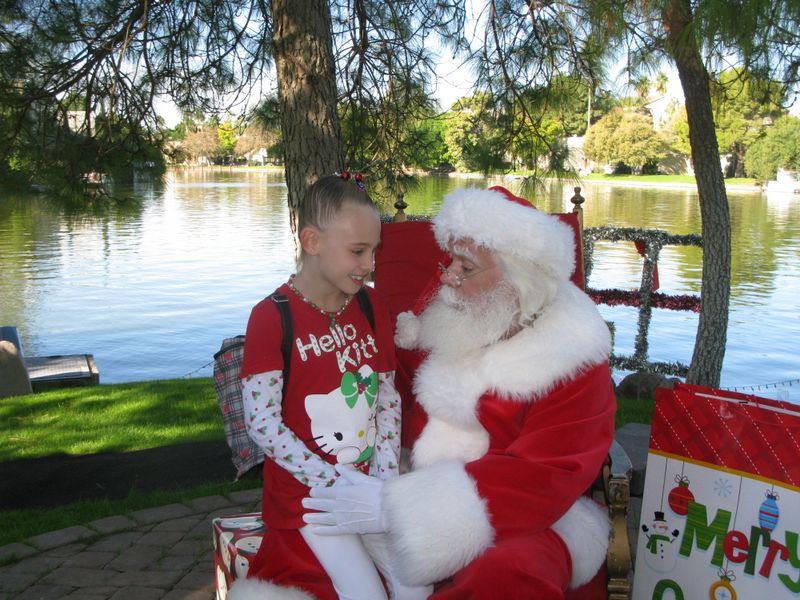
680, 496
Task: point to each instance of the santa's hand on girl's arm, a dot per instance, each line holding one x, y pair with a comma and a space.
353, 505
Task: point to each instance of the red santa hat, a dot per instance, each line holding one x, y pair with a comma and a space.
500, 221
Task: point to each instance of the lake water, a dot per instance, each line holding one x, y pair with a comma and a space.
152, 285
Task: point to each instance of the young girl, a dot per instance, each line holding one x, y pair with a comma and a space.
339, 406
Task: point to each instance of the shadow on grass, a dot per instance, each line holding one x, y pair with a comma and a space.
60, 479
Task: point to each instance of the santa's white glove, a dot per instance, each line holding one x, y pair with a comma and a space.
349, 506
407, 329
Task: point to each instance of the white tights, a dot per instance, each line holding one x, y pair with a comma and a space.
348, 561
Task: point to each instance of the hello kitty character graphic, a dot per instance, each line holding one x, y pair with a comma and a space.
343, 420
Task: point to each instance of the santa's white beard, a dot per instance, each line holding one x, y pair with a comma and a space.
454, 325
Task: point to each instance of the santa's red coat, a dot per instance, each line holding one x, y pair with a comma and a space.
514, 436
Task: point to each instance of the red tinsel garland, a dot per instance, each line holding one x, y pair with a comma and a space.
616, 297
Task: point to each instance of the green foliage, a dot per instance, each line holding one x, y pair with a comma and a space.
383, 136
475, 135
485, 132
565, 100
534, 144
176, 133
624, 137
743, 104
121, 150
778, 148
109, 61
664, 179
676, 129
226, 135
597, 144
429, 137
68, 161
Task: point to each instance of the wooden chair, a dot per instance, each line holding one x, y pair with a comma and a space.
406, 262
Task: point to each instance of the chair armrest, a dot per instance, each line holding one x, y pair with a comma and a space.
621, 465
617, 481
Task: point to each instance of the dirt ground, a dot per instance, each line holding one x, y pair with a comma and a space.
56, 480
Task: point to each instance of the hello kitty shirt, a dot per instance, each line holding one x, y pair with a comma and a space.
341, 405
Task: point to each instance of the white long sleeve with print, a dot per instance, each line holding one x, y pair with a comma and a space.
262, 397
386, 459
263, 402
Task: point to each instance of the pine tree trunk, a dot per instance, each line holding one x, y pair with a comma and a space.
303, 51
709, 348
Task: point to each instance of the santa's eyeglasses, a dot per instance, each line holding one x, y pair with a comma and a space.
466, 273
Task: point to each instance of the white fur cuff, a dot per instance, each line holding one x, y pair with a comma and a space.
584, 528
257, 589
407, 330
438, 523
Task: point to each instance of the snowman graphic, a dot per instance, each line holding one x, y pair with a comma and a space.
660, 555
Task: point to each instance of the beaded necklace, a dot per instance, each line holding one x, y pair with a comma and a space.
330, 314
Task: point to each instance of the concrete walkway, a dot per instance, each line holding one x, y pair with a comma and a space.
153, 554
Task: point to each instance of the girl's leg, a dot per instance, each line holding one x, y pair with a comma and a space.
348, 564
284, 559
379, 551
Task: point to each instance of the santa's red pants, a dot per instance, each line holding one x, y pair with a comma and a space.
519, 568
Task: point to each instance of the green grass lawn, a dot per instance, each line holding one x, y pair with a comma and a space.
109, 418
123, 417
136, 416
631, 410
663, 179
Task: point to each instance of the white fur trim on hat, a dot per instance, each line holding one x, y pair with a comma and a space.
407, 330
584, 528
491, 219
438, 523
258, 589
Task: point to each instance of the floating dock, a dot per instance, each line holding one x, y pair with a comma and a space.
50, 372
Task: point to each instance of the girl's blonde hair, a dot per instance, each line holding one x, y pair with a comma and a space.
324, 200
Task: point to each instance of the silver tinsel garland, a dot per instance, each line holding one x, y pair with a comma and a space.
645, 298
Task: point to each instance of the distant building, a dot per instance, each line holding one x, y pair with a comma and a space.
577, 160
76, 121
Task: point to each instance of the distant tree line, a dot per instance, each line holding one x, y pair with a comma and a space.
755, 132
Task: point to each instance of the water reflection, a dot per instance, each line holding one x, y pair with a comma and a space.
151, 285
